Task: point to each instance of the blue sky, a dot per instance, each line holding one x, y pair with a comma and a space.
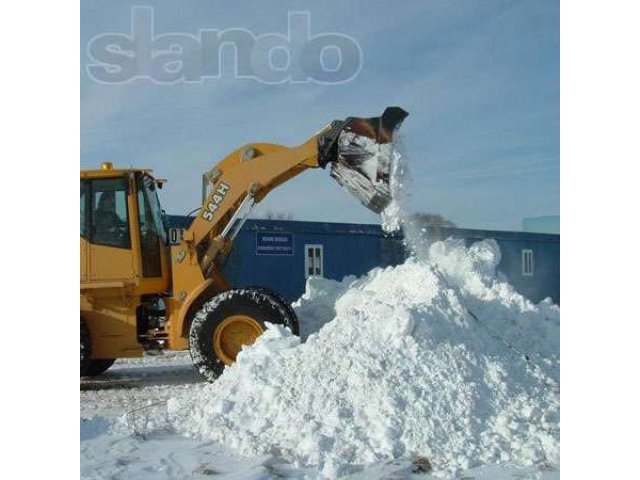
480, 80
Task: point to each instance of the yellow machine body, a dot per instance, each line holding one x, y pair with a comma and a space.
113, 284
136, 292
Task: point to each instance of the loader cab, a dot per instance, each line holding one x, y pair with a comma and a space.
122, 235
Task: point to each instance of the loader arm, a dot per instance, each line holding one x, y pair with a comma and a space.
236, 183
356, 148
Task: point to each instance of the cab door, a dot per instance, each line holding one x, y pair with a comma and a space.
150, 230
151, 235
110, 251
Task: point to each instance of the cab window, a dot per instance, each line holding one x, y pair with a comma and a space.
109, 214
152, 234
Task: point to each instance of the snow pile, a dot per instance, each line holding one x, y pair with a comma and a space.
316, 306
438, 359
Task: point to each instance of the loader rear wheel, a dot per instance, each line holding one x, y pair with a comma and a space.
99, 365
90, 367
231, 320
85, 349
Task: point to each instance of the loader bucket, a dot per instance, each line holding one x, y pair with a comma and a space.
361, 153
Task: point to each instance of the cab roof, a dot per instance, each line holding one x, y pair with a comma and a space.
108, 170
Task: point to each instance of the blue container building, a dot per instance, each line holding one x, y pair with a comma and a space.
281, 254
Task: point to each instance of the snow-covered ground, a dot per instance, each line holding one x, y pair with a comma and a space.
434, 361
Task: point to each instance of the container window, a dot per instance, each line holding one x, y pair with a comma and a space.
527, 263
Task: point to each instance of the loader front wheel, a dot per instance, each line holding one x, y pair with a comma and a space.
230, 321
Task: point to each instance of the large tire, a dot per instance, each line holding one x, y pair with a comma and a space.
293, 324
100, 365
231, 320
85, 349
90, 367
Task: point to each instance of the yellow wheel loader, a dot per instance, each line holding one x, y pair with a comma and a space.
138, 294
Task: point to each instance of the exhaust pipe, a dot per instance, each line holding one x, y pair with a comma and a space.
361, 153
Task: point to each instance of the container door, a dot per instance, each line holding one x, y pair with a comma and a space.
313, 261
